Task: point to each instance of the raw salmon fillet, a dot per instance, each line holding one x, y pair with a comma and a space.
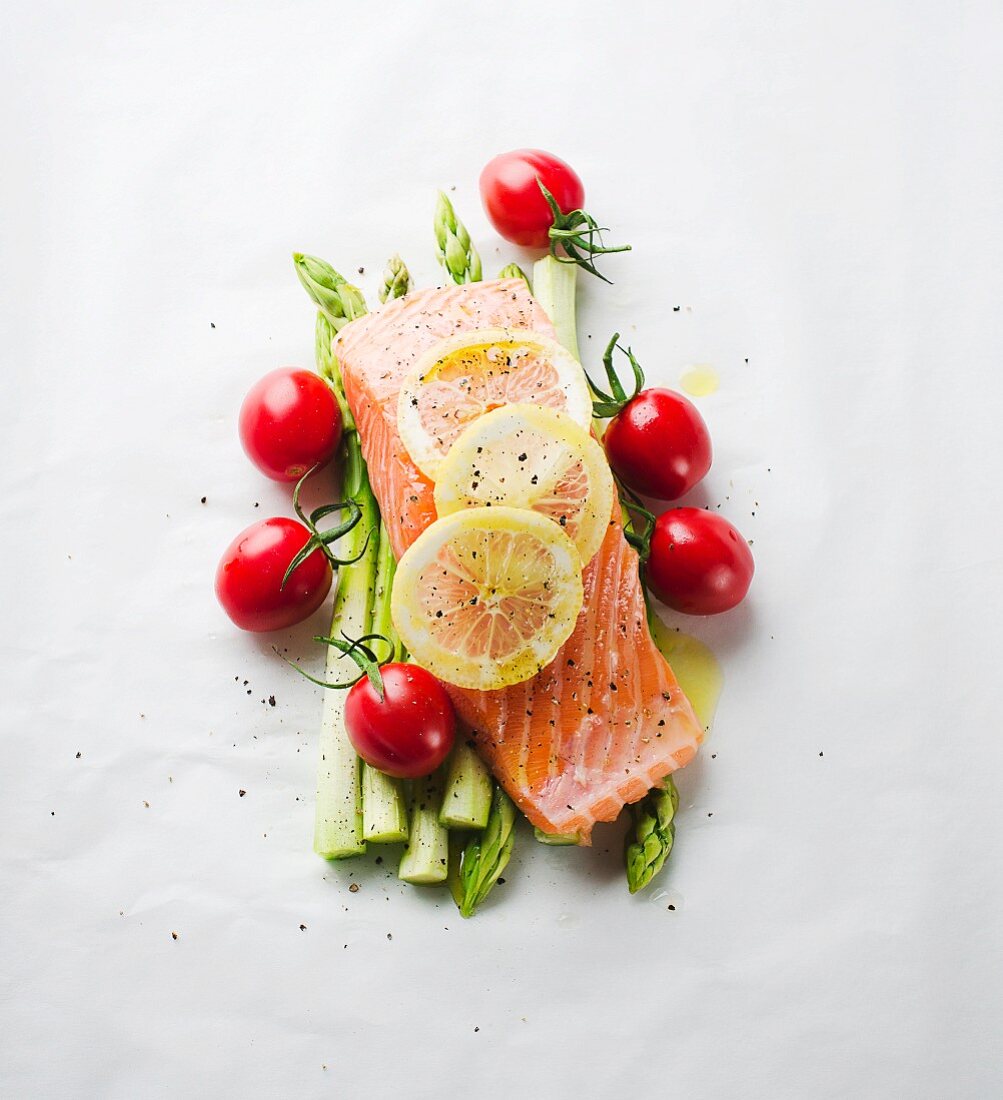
605, 720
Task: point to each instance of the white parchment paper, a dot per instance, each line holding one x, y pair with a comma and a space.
813, 193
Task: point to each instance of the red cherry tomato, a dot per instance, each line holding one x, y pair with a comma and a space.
514, 202
699, 563
410, 731
658, 444
251, 570
289, 422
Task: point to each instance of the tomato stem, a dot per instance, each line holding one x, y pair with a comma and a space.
360, 653
609, 404
579, 234
321, 540
632, 506
363, 656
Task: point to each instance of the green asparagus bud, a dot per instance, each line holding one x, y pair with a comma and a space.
514, 271
396, 279
456, 252
649, 840
478, 866
339, 300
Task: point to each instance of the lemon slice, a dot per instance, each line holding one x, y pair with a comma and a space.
472, 373
485, 597
525, 456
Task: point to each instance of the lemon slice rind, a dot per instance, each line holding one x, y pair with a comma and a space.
504, 574
525, 456
467, 374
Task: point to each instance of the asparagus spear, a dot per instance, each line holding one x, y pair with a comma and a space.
554, 285
384, 810
327, 365
463, 804
331, 292
426, 858
475, 869
396, 279
514, 271
554, 288
466, 802
651, 834
338, 823
338, 303
652, 831
456, 252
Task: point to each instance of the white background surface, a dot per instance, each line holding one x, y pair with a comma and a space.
818, 187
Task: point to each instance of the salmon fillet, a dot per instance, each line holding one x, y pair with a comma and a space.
606, 720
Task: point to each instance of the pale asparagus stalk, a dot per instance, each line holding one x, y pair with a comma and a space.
338, 819
652, 832
554, 288
466, 801
338, 827
426, 858
554, 285
384, 807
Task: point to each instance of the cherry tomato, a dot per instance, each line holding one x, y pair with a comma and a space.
251, 570
410, 731
289, 422
699, 563
658, 444
514, 202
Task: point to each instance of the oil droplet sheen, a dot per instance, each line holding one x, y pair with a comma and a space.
695, 666
700, 380
669, 900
